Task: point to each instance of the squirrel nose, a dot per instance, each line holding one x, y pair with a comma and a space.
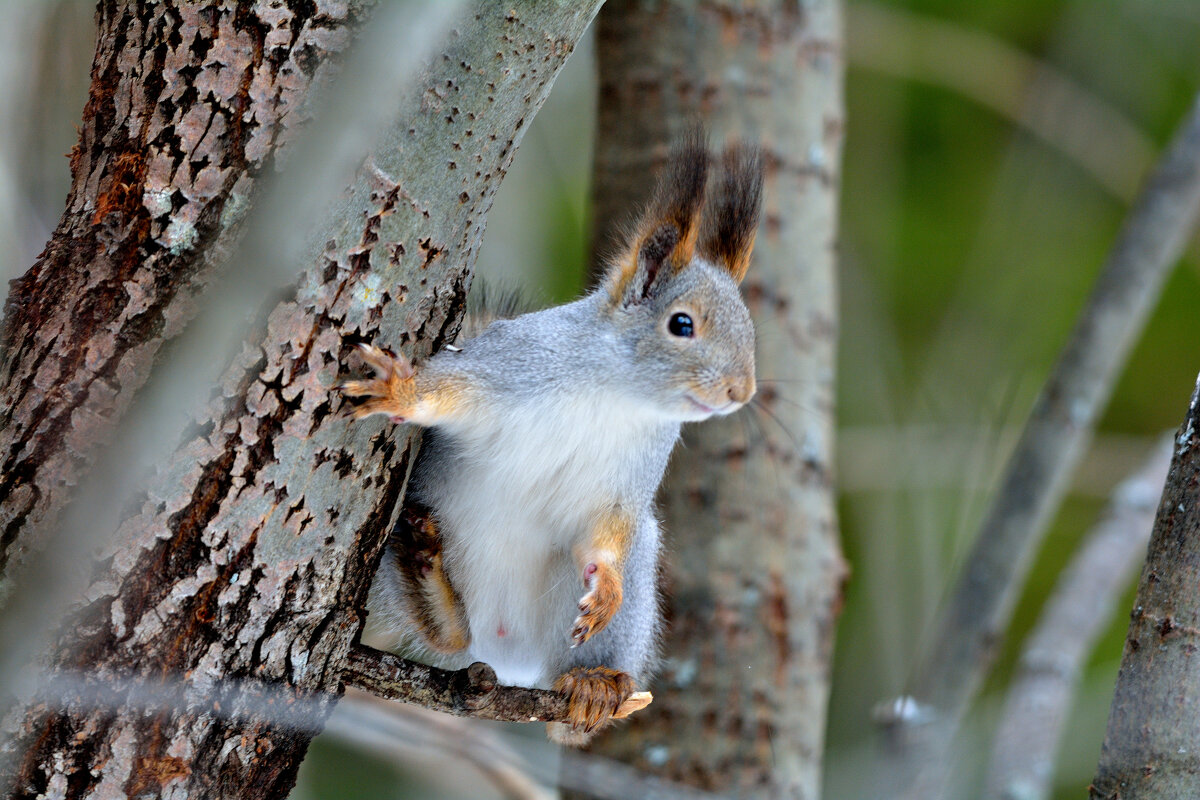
742, 392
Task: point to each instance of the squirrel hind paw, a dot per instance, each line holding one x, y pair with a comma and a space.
595, 697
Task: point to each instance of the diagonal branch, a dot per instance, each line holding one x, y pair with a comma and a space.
978, 610
584, 773
1030, 93
1028, 735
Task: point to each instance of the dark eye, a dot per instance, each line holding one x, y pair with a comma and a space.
681, 325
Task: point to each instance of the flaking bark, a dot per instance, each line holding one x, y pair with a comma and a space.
250, 554
189, 105
754, 569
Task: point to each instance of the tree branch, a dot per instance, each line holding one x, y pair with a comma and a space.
977, 612
470, 692
1026, 742
161, 182
413, 734
1150, 746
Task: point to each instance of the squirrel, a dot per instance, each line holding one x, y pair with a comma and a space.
531, 506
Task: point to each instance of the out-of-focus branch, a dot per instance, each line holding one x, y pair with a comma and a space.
586, 774
866, 455
410, 733
470, 692
977, 612
1150, 745
991, 72
1027, 738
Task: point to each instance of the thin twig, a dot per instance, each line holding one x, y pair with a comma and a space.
1027, 737
978, 610
470, 692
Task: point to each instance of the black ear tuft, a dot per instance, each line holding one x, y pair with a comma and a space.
665, 238
731, 216
680, 191
656, 249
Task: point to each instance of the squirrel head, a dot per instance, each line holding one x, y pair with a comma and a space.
673, 290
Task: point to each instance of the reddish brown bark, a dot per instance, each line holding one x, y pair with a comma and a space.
190, 103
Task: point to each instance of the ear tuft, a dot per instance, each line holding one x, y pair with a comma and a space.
731, 216
665, 237
680, 194
655, 251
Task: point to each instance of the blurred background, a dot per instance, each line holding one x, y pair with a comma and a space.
992, 150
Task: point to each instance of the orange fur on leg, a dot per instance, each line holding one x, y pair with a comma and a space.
428, 397
436, 607
600, 562
392, 391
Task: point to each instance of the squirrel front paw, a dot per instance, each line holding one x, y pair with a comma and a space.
597, 607
595, 696
391, 392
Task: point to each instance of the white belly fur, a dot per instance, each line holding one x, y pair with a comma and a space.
529, 492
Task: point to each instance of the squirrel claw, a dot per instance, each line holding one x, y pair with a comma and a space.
385, 364
595, 696
597, 607
390, 392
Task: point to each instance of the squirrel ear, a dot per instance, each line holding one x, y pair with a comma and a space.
731, 215
665, 238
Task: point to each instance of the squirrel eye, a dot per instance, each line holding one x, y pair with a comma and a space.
681, 325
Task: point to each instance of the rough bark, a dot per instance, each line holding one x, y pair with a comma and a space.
1151, 748
979, 607
1027, 737
754, 570
249, 555
189, 105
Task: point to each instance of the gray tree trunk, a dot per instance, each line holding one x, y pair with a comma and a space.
754, 569
1152, 745
245, 563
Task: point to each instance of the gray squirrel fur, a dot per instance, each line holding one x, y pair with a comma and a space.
547, 427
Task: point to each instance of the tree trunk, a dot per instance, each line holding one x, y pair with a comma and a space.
754, 568
245, 563
1151, 748
189, 105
